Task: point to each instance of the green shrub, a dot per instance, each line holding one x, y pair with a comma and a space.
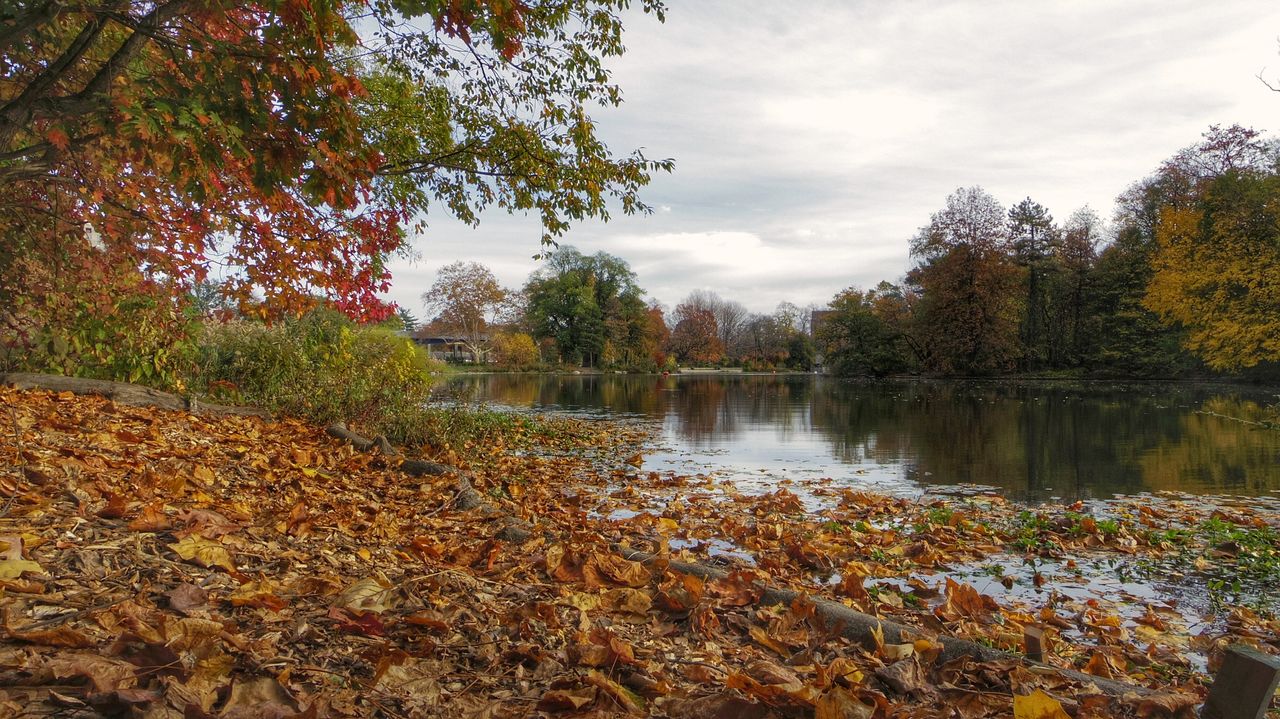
136, 335
320, 366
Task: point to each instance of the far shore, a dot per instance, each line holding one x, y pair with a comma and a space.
1004, 378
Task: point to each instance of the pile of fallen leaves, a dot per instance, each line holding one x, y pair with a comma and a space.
163, 564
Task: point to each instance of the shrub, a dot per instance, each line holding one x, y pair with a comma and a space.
320, 366
57, 318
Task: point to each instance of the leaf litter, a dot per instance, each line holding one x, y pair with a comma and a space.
163, 564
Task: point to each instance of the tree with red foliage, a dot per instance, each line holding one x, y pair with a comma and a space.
292, 143
695, 340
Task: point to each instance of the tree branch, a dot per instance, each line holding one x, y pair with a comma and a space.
26, 22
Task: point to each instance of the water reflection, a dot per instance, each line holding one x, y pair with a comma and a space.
1034, 441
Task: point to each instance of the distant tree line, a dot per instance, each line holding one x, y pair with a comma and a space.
588, 311
1185, 280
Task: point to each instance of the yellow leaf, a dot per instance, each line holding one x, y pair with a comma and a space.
626, 601
371, 594
205, 552
1038, 705
761, 637
581, 600
12, 565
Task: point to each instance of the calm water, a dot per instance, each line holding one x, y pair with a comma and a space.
1032, 441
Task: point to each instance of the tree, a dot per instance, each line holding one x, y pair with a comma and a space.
731, 318
1132, 337
467, 300
790, 317
1031, 233
969, 308
1071, 329
1131, 340
695, 338
163, 136
591, 306
1217, 270
408, 322
857, 341
515, 350
656, 336
766, 340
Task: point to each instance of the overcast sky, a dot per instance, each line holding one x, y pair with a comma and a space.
812, 140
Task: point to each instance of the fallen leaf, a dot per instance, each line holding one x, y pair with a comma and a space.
718, 706
260, 698
204, 552
104, 673
63, 636
12, 565
371, 594
186, 598
1037, 705
604, 569
624, 600
840, 703
563, 700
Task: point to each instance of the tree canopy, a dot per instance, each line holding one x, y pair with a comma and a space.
467, 300
294, 143
591, 306
1217, 269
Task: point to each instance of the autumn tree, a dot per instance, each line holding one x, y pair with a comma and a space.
515, 350
970, 289
656, 336
467, 300
1217, 270
731, 318
857, 340
1131, 336
140, 143
695, 338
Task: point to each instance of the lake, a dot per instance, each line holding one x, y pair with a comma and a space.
1031, 441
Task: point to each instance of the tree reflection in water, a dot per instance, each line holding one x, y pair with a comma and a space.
1032, 440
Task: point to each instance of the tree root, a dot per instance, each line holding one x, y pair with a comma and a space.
123, 393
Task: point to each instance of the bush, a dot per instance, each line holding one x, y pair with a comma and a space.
65, 323
321, 366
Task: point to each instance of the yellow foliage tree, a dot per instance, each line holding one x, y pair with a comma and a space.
1217, 270
516, 350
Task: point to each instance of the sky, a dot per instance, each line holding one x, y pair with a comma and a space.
812, 140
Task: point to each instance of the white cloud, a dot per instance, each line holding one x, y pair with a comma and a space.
812, 140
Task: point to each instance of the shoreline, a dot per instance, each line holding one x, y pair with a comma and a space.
890, 379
